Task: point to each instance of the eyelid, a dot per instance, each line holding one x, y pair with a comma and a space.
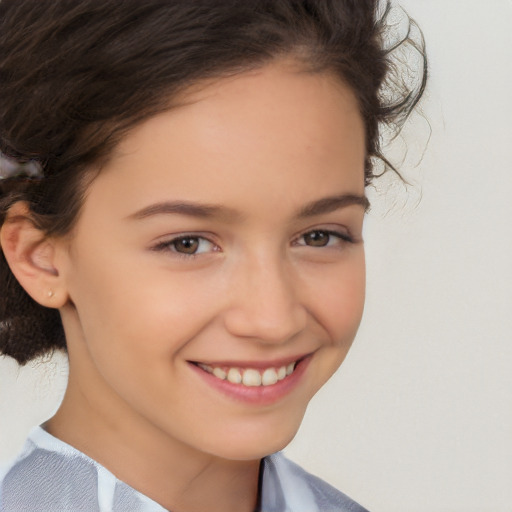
343, 236
166, 244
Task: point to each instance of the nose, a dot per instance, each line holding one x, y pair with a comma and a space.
265, 303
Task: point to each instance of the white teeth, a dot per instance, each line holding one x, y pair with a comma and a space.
281, 373
219, 373
290, 368
234, 376
269, 377
251, 377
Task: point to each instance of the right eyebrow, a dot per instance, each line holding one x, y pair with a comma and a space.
208, 211
188, 208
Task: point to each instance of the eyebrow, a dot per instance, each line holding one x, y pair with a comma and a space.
204, 211
333, 203
191, 209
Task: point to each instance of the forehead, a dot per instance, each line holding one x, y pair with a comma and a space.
267, 130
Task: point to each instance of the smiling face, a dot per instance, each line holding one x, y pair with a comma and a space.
221, 243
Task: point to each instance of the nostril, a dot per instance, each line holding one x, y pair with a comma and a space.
265, 323
264, 304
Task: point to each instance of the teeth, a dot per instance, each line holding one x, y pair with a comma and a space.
290, 368
234, 376
250, 377
269, 377
219, 373
281, 373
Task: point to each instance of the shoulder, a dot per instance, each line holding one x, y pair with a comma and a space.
50, 475
40, 475
300, 490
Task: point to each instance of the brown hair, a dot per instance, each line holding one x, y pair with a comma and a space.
76, 76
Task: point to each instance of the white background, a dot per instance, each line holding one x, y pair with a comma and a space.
419, 418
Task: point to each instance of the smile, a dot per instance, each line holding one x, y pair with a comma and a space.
256, 383
250, 377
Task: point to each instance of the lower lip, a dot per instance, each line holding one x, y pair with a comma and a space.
258, 395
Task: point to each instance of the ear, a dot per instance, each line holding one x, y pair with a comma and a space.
32, 257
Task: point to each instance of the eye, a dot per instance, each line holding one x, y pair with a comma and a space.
187, 245
323, 238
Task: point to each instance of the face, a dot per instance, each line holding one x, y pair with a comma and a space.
222, 243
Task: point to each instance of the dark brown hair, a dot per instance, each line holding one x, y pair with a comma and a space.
75, 76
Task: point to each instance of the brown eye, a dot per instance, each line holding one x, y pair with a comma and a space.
317, 238
187, 245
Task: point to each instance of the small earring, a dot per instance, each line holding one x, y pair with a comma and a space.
50, 293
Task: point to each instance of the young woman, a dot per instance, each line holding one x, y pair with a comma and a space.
183, 194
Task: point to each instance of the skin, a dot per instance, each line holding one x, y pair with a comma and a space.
136, 311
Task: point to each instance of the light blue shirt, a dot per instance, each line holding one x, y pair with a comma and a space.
52, 476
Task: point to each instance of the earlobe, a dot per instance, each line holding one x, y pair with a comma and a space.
31, 257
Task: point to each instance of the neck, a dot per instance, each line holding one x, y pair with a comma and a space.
175, 475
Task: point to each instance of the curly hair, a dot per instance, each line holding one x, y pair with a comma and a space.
75, 77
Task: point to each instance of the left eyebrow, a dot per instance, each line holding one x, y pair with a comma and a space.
205, 211
331, 204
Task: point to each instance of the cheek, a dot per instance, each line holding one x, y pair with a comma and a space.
339, 308
340, 302
139, 322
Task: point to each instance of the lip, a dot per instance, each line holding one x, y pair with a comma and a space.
257, 365
257, 395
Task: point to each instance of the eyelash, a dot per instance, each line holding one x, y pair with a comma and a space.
170, 245
343, 237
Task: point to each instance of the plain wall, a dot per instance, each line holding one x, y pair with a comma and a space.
419, 417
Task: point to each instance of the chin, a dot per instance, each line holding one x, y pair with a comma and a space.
255, 443
252, 450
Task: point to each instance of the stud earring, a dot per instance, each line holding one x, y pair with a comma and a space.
50, 293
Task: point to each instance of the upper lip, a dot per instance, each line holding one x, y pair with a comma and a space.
272, 363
